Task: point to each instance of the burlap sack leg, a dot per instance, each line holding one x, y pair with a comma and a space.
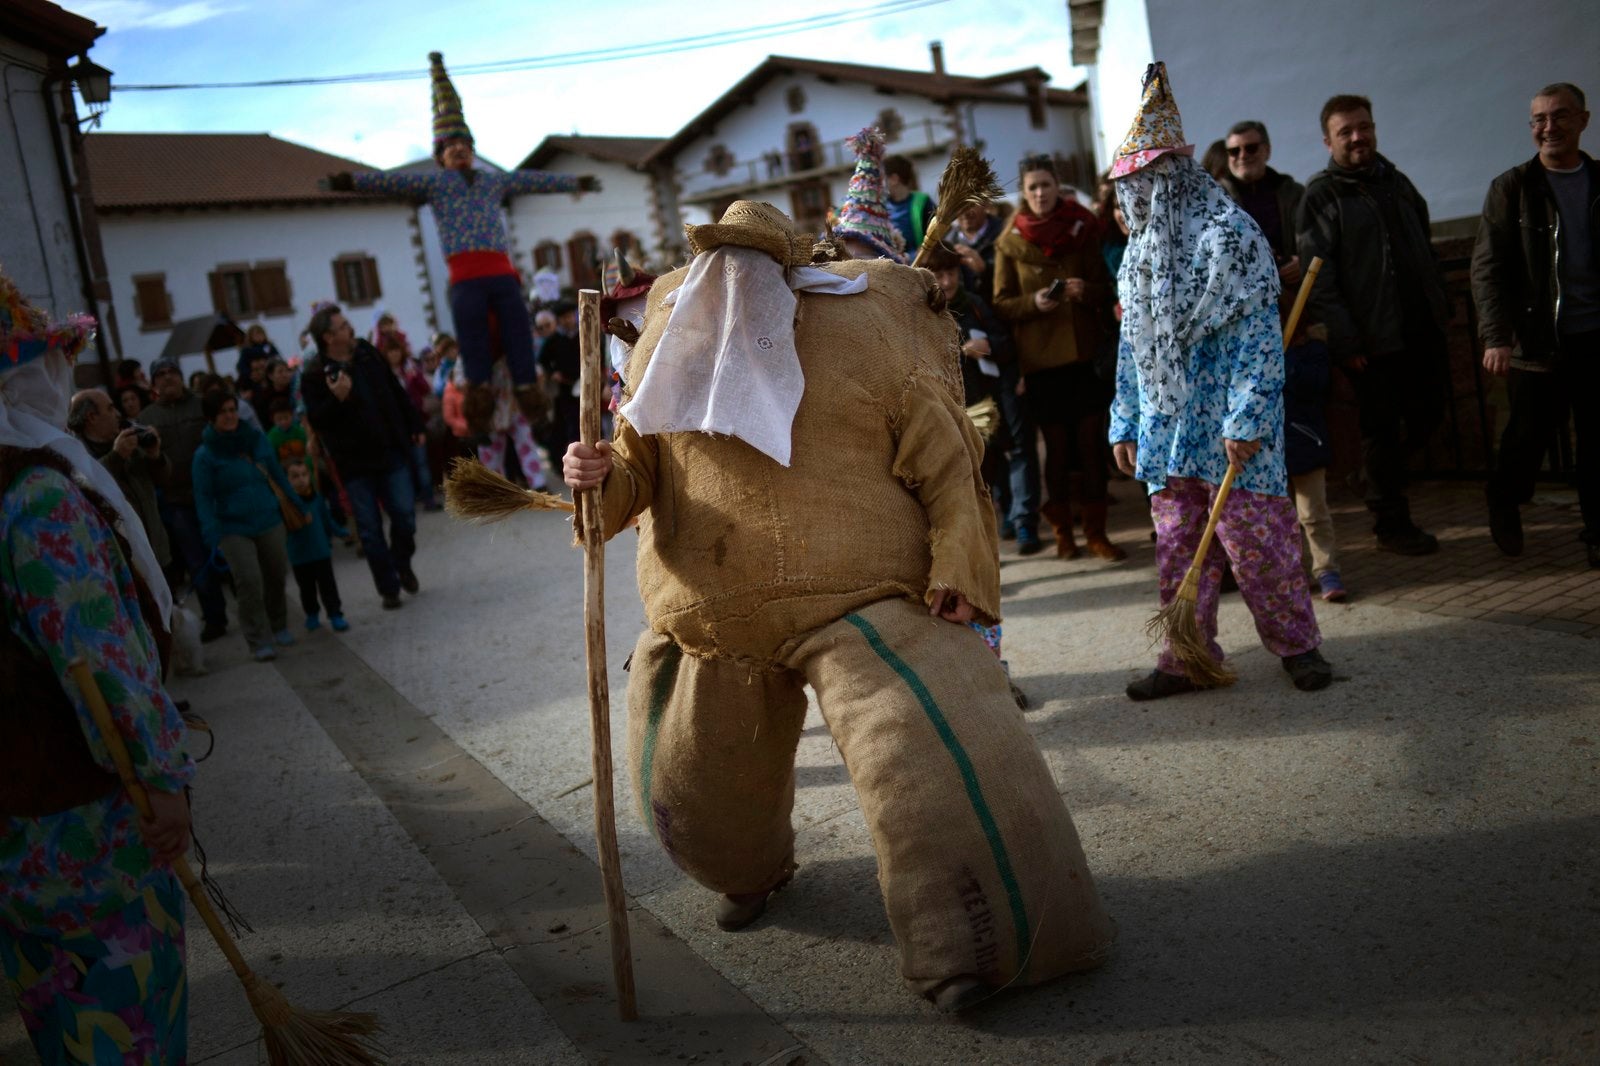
712, 747
980, 865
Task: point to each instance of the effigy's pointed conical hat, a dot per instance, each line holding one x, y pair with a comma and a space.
865, 214
1157, 128
449, 122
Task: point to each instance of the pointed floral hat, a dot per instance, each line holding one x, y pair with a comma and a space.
864, 215
26, 332
448, 120
1157, 128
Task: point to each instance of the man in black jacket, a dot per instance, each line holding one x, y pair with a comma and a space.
363, 417
1382, 300
1271, 198
1536, 283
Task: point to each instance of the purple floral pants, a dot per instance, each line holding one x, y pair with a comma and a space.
1261, 535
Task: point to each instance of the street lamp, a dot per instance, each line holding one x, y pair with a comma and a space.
94, 85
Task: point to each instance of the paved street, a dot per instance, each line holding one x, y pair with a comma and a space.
1400, 869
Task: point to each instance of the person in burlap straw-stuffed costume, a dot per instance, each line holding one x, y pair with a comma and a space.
811, 513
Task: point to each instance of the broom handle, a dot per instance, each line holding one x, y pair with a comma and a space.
1227, 479
937, 228
83, 677
1301, 297
590, 392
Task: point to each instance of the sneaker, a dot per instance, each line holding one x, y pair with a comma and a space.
393, 603
1408, 541
408, 580
283, 637
264, 654
1505, 526
1332, 587
338, 623
213, 631
1309, 670
1159, 685
1028, 542
313, 622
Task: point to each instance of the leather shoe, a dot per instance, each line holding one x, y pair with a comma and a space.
959, 993
1159, 685
1505, 526
1309, 670
408, 581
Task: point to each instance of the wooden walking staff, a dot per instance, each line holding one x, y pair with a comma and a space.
1176, 622
591, 532
293, 1037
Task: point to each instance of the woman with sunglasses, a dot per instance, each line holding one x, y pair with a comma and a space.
1051, 284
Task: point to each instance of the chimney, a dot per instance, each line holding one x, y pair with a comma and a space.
937, 49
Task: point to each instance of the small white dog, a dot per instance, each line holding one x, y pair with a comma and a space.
188, 657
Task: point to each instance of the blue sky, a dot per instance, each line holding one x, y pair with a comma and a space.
387, 123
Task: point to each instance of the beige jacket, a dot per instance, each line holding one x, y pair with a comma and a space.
740, 557
1074, 331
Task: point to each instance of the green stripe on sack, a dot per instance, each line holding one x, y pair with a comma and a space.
969, 776
660, 690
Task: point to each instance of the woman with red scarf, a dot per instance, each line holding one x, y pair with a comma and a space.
1050, 283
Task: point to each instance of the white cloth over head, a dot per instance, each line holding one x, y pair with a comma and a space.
726, 362
33, 414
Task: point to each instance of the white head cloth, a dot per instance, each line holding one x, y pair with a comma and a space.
727, 362
33, 414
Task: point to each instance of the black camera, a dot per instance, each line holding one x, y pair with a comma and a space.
143, 435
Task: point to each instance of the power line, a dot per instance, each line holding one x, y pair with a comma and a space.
572, 59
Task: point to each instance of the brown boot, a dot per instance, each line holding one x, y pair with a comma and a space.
533, 403
1059, 515
734, 912
478, 409
1094, 534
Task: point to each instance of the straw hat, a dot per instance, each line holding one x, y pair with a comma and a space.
1157, 128
865, 216
26, 332
749, 224
449, 122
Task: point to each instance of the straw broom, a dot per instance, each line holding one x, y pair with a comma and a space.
1176, 622
478, 494
968, 179
293, 1037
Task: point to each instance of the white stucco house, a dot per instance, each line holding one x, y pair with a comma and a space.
48, 242
779, 133
234, 224
571, 234
1450, 83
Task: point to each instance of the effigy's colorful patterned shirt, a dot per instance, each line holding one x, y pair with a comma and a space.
66, 591
467, 213
1235, 391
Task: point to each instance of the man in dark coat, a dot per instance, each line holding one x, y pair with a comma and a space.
1536, 283
1383, 302
368, 424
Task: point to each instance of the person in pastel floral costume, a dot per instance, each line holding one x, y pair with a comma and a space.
1199, 388
91, 914
485, 289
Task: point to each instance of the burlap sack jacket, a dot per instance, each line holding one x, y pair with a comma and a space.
1073, 332
739, 556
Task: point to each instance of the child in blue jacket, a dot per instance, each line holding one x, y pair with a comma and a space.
311, 554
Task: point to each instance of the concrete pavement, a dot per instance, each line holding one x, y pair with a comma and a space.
1398, 869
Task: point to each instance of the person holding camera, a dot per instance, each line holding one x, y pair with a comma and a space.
132, 453
368, 425
1050, 283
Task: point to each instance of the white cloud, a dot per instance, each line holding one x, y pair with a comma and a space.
148, 14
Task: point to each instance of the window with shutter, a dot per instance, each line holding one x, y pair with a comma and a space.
584, 251
269, 286
355, 280
547, 254
230, 291
151, 302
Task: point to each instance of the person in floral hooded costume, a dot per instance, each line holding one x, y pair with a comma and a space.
91, 914
1200, 388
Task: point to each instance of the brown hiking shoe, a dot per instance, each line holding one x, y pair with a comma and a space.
478, 409
533, 403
